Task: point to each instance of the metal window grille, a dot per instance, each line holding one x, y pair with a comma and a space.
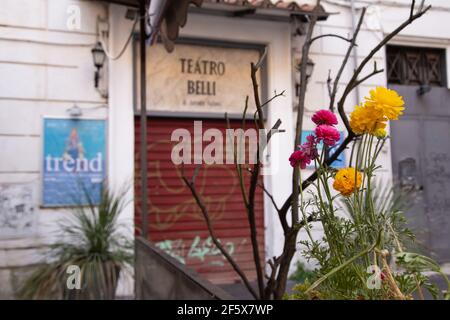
416, 66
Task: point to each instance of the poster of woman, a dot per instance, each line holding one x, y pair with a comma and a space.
74, 161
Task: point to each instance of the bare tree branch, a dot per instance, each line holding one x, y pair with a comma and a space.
253, 182
203, 209
330, 90
422, 3
275, 129
329, 35
346, 57
276, 95
374, 72
254, 71
301, 106
411, 13
237, 163
271, 283
269, 195
361, 66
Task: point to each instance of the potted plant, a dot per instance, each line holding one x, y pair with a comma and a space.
92, 247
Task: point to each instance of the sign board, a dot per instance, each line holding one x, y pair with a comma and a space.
200, 78
17, 210
74, 161
339, 162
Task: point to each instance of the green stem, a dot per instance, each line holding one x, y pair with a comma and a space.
302, 208
338, 268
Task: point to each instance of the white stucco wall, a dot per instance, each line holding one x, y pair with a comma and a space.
121, 117
45, 68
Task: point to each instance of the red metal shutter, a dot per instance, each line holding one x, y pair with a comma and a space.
176, 223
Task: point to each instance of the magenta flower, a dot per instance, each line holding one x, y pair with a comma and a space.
299, 158
328, 134
309, 147
324, 117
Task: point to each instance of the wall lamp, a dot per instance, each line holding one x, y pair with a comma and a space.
99, 56
309, 71
309, 68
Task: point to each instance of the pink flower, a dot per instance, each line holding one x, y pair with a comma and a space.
324, 117
309, 147
328, 134
299, 158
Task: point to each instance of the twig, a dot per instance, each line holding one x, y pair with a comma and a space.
339, 74
254, 70
422, 3
301, 106
411, 13
224, 252
270, 197
253, 182
346, 58
249, 201
329, 35
276, 95
237, 164
274, 129
261, 59
271, 280
330, 90
398, 294
374, 72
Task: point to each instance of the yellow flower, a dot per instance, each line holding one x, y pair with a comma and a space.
386, 101
380, 133
347, 180
366, 119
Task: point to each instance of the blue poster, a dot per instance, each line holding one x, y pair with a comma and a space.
74, 161
339, 162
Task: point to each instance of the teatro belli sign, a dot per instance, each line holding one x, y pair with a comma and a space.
200, 78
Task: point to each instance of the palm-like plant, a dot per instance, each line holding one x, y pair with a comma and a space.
94, 241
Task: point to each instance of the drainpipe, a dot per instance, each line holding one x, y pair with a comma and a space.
355, 50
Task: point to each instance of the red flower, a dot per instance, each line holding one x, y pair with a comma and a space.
324, 117
328, 134
299, 158
309, 147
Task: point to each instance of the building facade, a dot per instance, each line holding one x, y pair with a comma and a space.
47, 74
